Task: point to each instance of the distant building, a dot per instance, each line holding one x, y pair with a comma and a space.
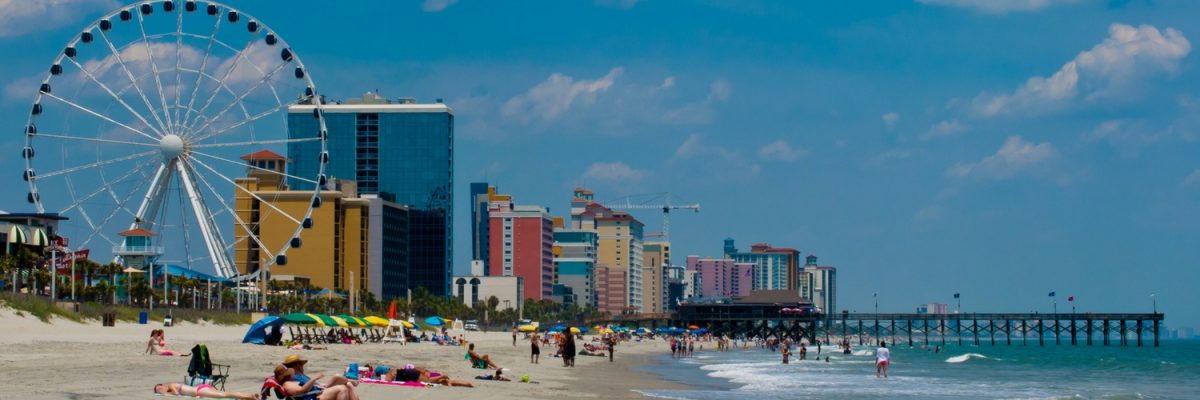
819, 284
329, 251
933, 308
776, 268
611, 290
655, 256
575, 263
676, 283
619, 250
475, 288
399, 150
564, 295
521, 243
481, 195
722, 278
32, 231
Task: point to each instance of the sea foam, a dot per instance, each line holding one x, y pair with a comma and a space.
963, 358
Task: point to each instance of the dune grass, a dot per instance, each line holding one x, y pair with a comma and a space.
44, 310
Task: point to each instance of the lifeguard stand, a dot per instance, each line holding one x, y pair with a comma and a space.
138, 249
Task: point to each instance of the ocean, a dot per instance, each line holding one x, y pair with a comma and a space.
981, 372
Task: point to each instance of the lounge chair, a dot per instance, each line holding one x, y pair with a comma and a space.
201, 370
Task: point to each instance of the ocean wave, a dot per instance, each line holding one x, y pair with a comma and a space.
963, 358
863, 352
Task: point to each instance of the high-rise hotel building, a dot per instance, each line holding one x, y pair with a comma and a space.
400, 151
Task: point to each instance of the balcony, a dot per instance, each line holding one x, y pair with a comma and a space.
137, 250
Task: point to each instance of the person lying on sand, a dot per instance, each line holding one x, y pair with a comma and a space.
308, 391
498, 376
478, 361
204, 390
412, 373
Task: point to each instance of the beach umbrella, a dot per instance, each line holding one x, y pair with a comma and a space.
700, 330
303, 319
337, 321
408, 325
576, 330
527, 328
434, 321
258, 332
325, 320
693, 327
373, 320
352, 320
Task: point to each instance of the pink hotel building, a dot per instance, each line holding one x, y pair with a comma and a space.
722, 278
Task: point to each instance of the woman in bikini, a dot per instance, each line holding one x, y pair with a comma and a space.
204, 390
158, 344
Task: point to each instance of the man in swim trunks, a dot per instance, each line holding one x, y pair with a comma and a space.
883, 357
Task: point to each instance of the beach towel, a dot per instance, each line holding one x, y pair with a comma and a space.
390, 383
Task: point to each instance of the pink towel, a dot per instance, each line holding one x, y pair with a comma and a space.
389, 383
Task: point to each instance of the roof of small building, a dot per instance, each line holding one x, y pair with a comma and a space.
263, 155
138, 232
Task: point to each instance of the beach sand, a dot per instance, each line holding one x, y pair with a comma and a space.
68, 360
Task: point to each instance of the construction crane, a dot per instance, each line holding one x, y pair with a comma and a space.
626, 203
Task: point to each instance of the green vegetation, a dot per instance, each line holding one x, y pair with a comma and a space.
41, 308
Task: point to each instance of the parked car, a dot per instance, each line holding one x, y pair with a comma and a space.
471, 325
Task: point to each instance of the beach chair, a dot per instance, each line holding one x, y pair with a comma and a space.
295, 338
201, 370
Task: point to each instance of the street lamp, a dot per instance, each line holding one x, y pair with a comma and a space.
1154, 302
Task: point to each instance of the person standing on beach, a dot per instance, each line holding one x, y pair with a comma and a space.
785, 352
883, 357
514, 337
612, 347
536, 350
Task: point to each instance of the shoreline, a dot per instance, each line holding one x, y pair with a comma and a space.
87, 360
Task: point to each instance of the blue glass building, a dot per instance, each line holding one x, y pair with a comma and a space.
404, 153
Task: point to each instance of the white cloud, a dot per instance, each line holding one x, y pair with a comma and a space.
21, 17
1105, 70
1193, 179
998, 6
613, 172
890, 119
1015, 156
437, 5
668, 83
693, 146
720, 90
555, 96
944, 129
780, 150
929, 213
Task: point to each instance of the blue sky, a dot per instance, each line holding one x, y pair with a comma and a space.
1001, 149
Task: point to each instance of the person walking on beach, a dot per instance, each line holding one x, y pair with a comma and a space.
785, 352
514, 337
536, 350
612, 347
568, 346
883, 357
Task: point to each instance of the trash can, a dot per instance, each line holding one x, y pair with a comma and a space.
143, 317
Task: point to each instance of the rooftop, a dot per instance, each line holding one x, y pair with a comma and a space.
263, 155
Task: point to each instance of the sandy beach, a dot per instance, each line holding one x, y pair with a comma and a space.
68, 360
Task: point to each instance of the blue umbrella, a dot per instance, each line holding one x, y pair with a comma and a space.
258, 332
434, 321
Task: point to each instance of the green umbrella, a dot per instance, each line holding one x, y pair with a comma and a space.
353, 320
327, 320
304, 319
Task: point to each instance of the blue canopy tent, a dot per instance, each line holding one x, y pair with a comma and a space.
258, 332
434, 321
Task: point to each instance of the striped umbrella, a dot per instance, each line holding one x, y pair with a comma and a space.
377, 321
304, 319
337, 321
356, 321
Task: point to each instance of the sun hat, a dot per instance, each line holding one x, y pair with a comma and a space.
292, 359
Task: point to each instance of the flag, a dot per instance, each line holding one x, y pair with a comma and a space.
956, 295
1070, 298
1051, 294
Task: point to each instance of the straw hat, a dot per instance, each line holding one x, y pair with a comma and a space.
283, 374
293, 359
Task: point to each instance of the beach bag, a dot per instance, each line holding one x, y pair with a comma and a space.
352, 371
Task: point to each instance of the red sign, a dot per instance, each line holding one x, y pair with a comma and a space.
64, 259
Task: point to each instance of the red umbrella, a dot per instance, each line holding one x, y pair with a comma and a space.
392, 310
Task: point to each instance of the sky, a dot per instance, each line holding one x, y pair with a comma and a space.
997, 149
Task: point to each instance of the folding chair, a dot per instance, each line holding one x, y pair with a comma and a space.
201, 370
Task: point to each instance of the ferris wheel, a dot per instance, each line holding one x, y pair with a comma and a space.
144, 120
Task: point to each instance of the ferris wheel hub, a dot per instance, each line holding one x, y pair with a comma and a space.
171, 146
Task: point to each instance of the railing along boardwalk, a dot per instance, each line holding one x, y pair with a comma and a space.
976, 328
